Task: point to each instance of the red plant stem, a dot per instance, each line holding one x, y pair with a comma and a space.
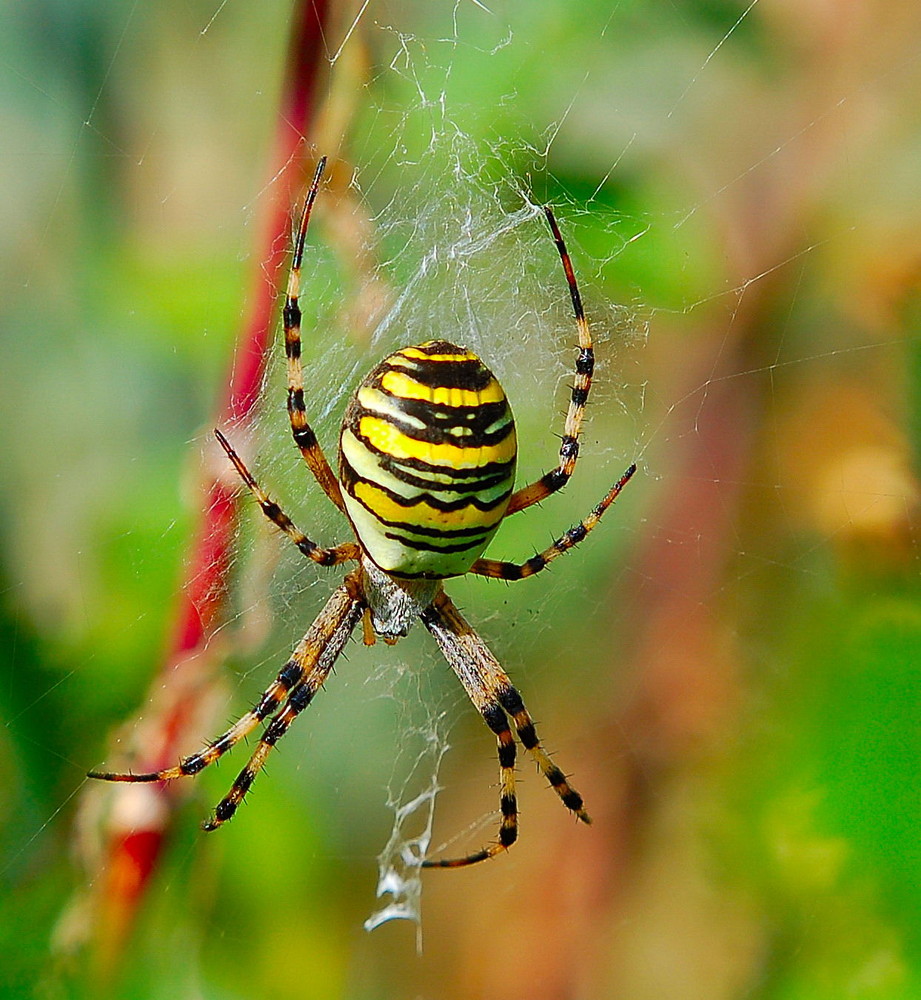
135, 841
202, 596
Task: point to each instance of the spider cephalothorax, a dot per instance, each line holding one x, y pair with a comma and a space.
427, 458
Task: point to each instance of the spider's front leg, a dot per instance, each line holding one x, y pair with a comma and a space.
493, 694
314, 658
297, 682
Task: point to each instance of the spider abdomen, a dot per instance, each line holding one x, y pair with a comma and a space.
427, 460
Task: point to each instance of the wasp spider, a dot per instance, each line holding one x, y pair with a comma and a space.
426, 470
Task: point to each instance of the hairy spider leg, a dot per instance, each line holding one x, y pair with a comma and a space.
291, 675
554, 480
500, 570
325, 557
304, 436
312, 659
492, 693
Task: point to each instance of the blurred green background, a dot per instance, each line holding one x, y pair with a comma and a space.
729, 666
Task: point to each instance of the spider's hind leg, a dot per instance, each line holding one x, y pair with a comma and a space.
557, 478
302, 432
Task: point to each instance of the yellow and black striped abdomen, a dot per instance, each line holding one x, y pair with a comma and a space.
427, 460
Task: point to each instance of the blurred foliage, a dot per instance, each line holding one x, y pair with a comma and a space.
747, 189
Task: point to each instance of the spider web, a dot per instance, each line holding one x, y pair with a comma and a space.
447, 208
469, 258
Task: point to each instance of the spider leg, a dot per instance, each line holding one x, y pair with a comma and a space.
518, 571
334, 615
304, 436
551, 481
313, 660
325, 557
494, 696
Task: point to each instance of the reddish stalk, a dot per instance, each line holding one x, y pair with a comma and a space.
137, 825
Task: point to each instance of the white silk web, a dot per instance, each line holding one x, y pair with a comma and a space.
693, 171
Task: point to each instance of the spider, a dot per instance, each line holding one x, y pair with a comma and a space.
427, 457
